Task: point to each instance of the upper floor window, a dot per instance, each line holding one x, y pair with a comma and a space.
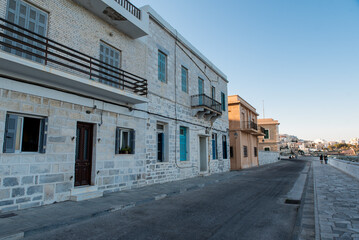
223, 101
162, 66
25, 134
32, 19
266, 132
109, 72
184, 77
213, 92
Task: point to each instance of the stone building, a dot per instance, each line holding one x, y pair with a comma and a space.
244, 133
270, 141
98, 96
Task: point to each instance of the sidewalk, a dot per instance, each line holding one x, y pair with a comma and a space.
337, 203
36, 220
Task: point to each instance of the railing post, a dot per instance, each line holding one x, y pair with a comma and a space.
91, 68
46, 49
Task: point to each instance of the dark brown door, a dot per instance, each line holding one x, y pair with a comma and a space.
83, 156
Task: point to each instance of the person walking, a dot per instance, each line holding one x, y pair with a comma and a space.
326, 159
321, 158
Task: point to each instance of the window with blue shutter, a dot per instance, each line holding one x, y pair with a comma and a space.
125, 142
224, 146
223, 101
25, 134
266, 132
184, 74
30, 18
200, 91
214, 146
110, 72
183, 144
162, 66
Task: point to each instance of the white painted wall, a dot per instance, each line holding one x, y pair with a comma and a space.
351, 168
265, 157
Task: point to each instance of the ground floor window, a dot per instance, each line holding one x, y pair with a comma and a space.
125, 141
25, 134
231, 151
214, 146
245, 151
161, 142
224, 146
267, 149
255, 152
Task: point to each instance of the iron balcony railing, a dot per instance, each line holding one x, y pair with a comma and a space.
202, 100
249, 125
22, 42
130, 7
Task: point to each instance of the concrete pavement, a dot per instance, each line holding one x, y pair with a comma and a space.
337, 203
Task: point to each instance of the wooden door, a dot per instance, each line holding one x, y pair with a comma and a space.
83, 158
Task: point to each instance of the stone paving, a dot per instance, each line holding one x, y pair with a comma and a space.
337, 203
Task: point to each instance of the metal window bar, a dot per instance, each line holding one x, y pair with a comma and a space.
55, 54
130, 8
206, 101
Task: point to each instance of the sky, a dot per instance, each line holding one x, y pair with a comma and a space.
299, 57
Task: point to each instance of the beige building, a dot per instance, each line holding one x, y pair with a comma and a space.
270, 141
244, 133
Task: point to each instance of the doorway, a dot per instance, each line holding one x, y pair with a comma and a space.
203, 154
83, 156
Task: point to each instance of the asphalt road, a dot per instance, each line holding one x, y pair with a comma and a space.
248, 206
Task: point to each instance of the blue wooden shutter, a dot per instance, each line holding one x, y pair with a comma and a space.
110, 56
223, 102
31, 18
132, 141
161, 67
43, 135
183, 144
118, 141
184, 79
10, 133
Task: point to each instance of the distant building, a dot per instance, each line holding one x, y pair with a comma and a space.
244, 133
354, 141
270, 141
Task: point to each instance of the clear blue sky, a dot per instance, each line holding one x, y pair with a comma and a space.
300, 56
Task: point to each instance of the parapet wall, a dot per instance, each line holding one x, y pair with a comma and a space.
351, 168
266, 157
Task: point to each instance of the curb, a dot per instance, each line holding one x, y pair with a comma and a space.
33, 231
316, 214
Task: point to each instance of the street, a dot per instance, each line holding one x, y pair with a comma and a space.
248, 206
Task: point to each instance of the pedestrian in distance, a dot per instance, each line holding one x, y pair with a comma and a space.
326, 159
321, 158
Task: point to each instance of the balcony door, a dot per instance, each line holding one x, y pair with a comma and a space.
110, 72
30, 18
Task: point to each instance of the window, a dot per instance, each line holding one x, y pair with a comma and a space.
25, 134
266, 132
231, 151
184, 74
162, 66
125, 141
161, 143
200, 85
213, 92
30, 18
224, 146
255, 152
109, 72
223, 101
183, 143
245, 152
267, 149
214, 146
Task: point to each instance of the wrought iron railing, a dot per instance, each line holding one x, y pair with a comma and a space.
33, 46
130, 7
249, 125
202, 100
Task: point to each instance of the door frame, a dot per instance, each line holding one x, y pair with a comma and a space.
203, 153
92, 151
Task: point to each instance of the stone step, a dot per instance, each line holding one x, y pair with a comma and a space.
86, 196
83, 189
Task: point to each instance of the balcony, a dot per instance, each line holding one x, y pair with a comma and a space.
121, 14
206, 107
250, 127
39, 60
